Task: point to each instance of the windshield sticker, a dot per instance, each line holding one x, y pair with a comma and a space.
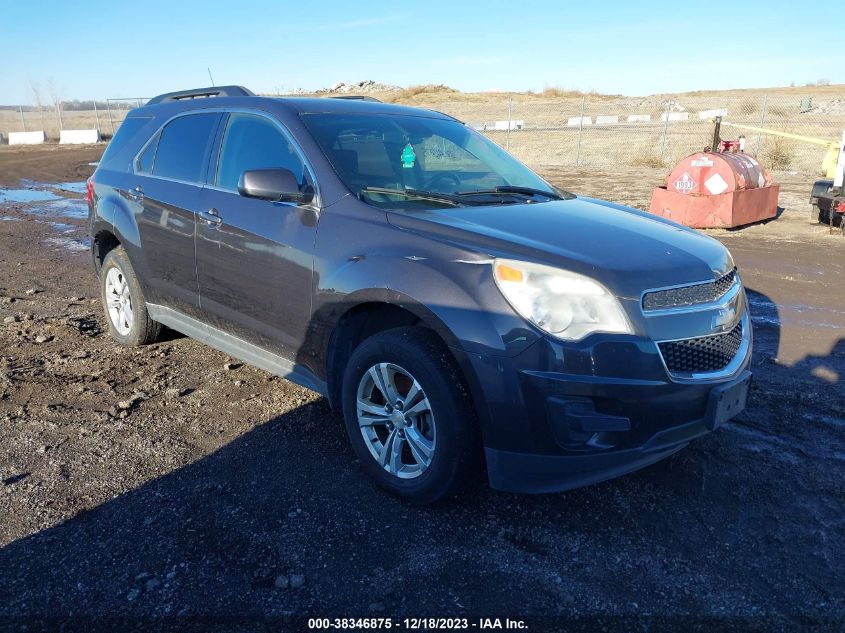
408, 157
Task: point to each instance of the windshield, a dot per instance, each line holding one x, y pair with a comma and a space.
402, 161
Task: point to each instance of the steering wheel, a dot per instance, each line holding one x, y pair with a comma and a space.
452, 178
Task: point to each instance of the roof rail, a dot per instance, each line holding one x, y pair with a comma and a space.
355, 98
196, 93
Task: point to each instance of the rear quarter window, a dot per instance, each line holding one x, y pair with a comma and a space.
126, 137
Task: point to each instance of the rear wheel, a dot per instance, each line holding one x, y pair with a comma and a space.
123, 302
408, 416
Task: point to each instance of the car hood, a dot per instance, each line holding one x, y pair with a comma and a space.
626, 249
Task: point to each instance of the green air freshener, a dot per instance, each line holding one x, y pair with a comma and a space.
408, 157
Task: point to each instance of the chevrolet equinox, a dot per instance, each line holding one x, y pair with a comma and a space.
460, 311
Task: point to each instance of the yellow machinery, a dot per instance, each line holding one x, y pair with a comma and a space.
830, 158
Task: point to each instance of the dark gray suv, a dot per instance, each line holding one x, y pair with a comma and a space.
459, 310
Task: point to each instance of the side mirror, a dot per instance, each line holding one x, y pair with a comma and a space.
277, 185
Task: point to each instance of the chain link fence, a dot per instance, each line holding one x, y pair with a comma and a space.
570, 129
610, 132
105, 115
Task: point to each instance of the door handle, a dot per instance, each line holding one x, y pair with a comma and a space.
136, 194
211, 217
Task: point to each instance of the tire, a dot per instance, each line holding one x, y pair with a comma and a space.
445, 424
824, 218
129, 323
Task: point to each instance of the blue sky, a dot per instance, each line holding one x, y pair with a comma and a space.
127, 49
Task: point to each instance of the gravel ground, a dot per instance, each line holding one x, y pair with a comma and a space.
170, 480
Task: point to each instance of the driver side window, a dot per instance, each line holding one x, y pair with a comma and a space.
254, 142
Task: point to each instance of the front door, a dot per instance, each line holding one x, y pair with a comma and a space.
255, 257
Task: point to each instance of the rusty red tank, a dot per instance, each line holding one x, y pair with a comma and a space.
716, 190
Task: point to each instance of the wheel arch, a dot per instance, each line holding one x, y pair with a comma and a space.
376, 312
103, 242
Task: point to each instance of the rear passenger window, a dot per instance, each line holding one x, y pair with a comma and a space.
254, 142
183, 147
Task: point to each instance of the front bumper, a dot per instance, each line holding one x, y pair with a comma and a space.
559, 417
527, 472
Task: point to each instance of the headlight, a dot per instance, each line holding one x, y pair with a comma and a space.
567, 305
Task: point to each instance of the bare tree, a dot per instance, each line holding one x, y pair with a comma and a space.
56, 99
35, 89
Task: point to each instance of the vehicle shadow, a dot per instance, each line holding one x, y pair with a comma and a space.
741, 523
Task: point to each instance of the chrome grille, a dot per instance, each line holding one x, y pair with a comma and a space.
689, 295
702, 355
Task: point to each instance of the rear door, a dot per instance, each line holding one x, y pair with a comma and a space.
169, 174
255, 257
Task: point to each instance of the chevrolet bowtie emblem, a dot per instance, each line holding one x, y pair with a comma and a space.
724, 318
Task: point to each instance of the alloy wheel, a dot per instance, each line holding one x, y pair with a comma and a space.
396, 420
119, 301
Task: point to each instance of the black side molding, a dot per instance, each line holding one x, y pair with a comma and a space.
196, 93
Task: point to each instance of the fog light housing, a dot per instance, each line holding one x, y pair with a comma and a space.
576, 424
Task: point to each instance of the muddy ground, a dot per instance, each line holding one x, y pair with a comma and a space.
166, 481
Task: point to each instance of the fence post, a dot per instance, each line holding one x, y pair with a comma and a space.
23, 121
508, 138
59, 116
665, 125
762, 122
580, 129
111, 120
96, 115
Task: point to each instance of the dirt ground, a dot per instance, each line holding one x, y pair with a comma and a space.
165, 480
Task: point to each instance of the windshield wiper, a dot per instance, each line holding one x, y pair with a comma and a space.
416, 193
506, 189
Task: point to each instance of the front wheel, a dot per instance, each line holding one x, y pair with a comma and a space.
408, 416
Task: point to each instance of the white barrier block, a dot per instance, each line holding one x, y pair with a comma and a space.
607, 120
639, 118
503, 125
712, 114
675, 116
79, 137
27, 138
575, 121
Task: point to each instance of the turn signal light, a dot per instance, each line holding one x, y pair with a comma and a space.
507, 273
